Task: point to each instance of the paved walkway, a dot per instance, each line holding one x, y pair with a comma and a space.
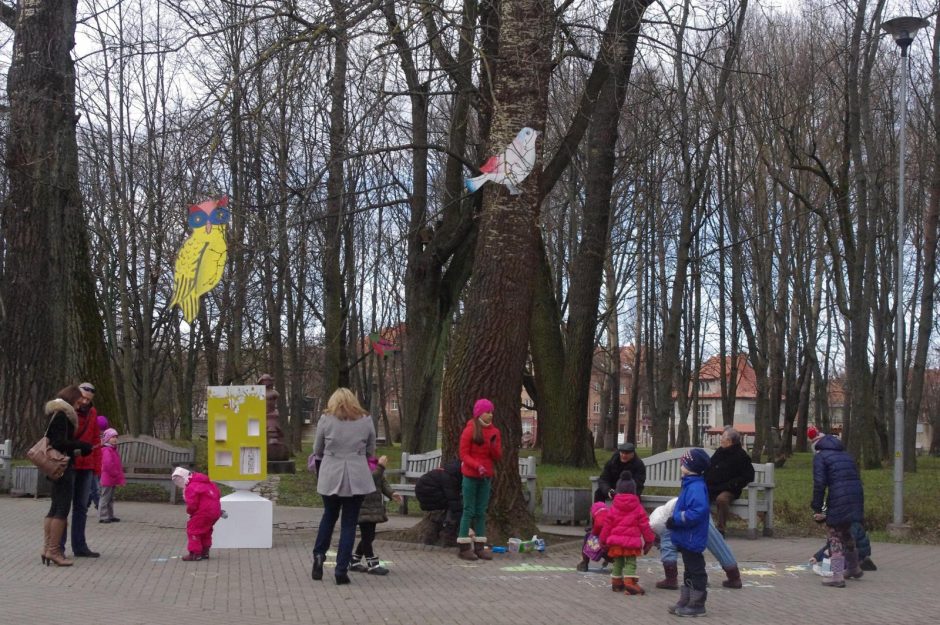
139, 580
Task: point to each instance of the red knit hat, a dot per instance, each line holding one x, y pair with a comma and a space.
812, 433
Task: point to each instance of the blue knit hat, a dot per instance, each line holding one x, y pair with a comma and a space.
696, 460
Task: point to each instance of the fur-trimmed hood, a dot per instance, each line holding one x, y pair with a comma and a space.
60, 405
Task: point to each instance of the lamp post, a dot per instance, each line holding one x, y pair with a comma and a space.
903, 30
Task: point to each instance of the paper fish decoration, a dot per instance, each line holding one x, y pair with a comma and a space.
201, 260
510, 167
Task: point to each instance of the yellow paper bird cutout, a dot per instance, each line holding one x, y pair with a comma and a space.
201, 260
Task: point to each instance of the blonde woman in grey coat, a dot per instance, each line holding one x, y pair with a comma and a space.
345, 439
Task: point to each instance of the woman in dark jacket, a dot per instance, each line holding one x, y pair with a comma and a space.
61, 432
838, 500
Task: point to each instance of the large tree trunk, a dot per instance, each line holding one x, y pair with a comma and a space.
489, 350
335, 373
50, 330
567, 360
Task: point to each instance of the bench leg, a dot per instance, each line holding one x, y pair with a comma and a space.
403, 507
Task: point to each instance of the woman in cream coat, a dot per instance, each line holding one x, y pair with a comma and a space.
345, 439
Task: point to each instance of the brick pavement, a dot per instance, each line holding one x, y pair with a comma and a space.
139, 580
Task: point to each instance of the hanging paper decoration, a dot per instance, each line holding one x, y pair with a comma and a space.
381, 345
201, 260
510, 167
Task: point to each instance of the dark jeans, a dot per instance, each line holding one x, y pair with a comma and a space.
332, 504
695, 575
366, 538
81, 498
61, 495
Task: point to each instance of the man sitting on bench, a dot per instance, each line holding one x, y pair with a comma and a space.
728, 474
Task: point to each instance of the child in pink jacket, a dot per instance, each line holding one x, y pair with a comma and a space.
204, 507
112, 476
626, 534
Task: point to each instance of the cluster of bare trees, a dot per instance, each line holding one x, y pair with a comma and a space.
713, 178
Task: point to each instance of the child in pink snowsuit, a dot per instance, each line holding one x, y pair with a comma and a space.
112, 476
204, 507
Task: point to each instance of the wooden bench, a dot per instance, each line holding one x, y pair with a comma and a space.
148, 460
663, 471
413, 466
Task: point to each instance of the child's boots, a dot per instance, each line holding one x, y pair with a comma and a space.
616, 584
192, 556
356, 564
631, 586
671, 582
374, 567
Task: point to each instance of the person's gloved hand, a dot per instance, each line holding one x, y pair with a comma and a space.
670, 523
647, 547
482, 470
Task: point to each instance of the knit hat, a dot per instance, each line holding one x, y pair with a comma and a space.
597, 507
181, 476
812, 433
481, 406
108, 435
626, 485
696, 460
102, 422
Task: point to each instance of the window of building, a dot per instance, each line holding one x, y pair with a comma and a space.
393, 404
705, 414
623, 409
597, 386
596, 408
526, 427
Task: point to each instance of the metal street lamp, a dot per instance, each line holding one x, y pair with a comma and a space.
903, 30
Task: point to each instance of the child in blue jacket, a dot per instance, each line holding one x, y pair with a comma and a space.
688, 527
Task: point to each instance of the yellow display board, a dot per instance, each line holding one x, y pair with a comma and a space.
237, 434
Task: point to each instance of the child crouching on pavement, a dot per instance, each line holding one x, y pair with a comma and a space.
203, 504
688, 528
626, 533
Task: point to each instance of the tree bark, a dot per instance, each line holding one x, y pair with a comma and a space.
51, 333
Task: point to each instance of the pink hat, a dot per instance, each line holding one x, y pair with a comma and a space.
108, 435
481, 406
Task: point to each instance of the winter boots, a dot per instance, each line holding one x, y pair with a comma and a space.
852, 569
356, 564
479, 548
734, 577
837, 566
616, 584
631, 586
685, 594
868, 565
192, 556
53, 552
695, 605
466, 550
374, 567
672, 576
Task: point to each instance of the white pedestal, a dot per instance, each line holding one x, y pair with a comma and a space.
250, 522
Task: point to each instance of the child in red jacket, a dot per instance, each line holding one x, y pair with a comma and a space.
203, 504
626, 534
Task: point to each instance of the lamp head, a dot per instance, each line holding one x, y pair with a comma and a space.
903, 30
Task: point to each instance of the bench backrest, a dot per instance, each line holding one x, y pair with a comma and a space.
663, 470
146, 454
414, 466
